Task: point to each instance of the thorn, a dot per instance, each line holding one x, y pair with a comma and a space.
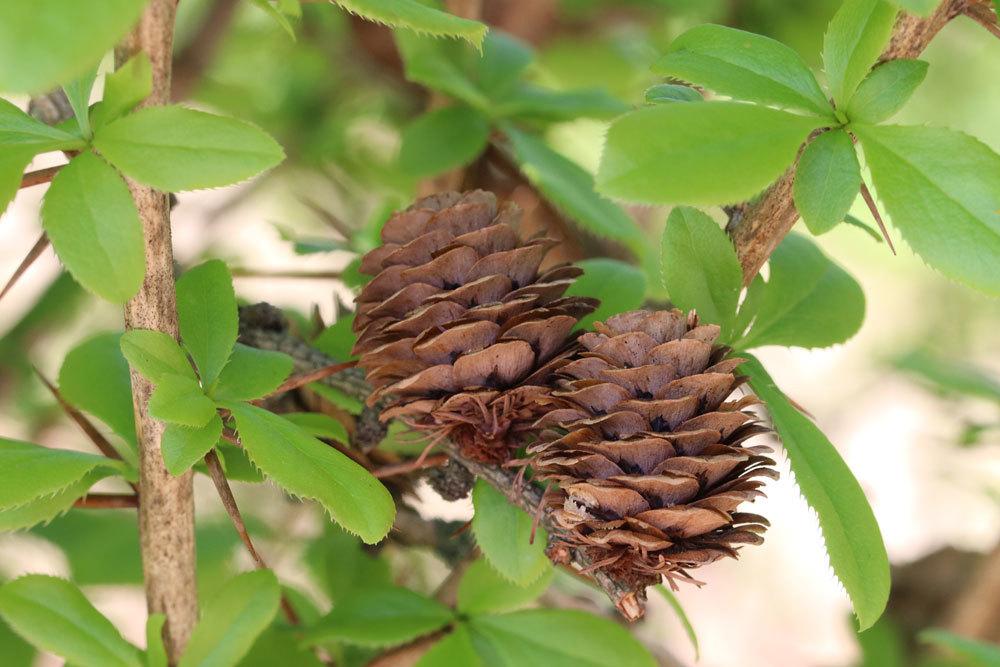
985, 17
36, 250
40, 176
297, 381
866, 193
103, 501
329, 218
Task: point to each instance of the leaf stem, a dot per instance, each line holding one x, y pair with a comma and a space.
867, 195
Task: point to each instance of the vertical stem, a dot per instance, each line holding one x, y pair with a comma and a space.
166, 510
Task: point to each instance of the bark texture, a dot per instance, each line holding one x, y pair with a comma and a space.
166, 509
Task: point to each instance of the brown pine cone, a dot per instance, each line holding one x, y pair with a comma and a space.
459, 324
647, 457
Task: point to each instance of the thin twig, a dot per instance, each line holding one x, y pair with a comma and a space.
984, 16
36, 250
435, 461
314, 376
867, 195
192, 61
40, 176
229, 502
103, 501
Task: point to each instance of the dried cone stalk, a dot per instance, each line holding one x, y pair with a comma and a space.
459, 329
648, 457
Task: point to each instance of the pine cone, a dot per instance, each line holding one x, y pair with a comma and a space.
460, 326
648, 459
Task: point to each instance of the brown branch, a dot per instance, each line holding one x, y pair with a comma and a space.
36, 251
976, 611
192, 61
40, 176
757, 229
229, 502
984, 16
410, 466
166, 514
103, 501
302, 380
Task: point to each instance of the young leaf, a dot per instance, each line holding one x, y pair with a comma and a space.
455, 649
381, 617
530, 102
745, 66
13, 162
827, 180
180, 400
306, 467
978, 653
618, 285
437, 64
700, 268
54, 615
337, 339
413, 15
809, 300
504, 60
853, 540
699, 153
19, 130
92, 223
885, 90
78, 94
853, 41
672, 92
183, 446
341, 565
156, 652
94, 377
571, 189
675, 604
277, 15
950, 375
124, 89
208, 316
232, 620
173, 148
318, 425
236, 464
155, 354
29, 471
882, 645
555, 638
483, 591
49, 42
503, 532
48, 507
942, 190
443, 139
252, 373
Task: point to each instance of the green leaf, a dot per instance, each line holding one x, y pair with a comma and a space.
530, 102
700, 268
439, 65
483, 591
279, 646
276, 14
882, 645
808, 301
503, 532
744, 66
13, 162
337, 397
982, 654
675, 604
381, 617
155, 354
91, 220
18, 129
455, 649
156, 653
920, 7
555, 638
417, 17
341, 565
232, 620
54, 615
49, 42
885, 90
571, 189
442, 139
180, 400
47, 508
504, 60
94, 377
78, 94
173, 148
183, 446
337, 339
950, 375
318, 425
853, 540
672, 92
29, 471
942, 190
237, 465
252, 373
124, 88
853, 41
208, 316
827, 180
699, 153
618, 285
16, 651
306, 467
863, 226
